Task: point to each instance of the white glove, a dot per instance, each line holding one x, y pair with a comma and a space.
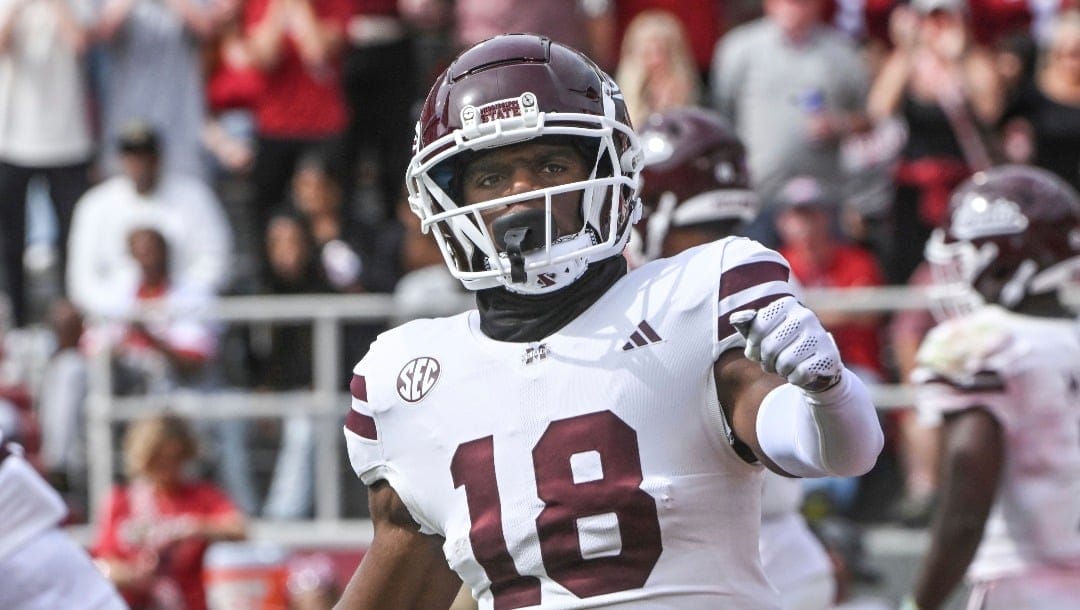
788, 339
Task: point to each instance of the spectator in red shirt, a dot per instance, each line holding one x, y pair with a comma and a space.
173, 348
820, 260
155, 529
297, 44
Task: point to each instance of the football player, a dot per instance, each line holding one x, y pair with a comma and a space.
41, 567
586, 436
1001, 376
696, 189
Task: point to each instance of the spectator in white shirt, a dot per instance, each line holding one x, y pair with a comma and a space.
180, 207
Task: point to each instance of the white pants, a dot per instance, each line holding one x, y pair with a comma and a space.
1046, 590
816, 593
51, 571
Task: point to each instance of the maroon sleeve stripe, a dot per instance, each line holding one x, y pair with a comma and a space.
740, 278
358, 387
361, 425
724, 327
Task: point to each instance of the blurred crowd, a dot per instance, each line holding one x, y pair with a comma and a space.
158, 154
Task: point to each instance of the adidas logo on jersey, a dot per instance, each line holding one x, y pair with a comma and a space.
644, 335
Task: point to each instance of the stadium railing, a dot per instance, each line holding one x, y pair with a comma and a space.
327, 401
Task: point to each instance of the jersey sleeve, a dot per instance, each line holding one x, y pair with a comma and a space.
374, 427
362, 432
958, 367
751, 277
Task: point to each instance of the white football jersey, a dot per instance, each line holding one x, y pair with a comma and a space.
28, 505
592, 468
790, 553
1026, 372
41, 567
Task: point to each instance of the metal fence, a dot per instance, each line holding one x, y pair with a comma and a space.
326, 401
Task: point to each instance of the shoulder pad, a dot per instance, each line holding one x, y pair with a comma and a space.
961, 352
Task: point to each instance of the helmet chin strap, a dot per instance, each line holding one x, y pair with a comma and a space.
514, 238
540, 280
522, 239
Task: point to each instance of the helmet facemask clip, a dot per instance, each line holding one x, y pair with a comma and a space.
518, 233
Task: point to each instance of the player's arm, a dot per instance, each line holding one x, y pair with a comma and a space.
403, 568
822, 422
974, 451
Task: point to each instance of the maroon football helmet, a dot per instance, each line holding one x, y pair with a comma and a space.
515, 88
695, 174
1012, 231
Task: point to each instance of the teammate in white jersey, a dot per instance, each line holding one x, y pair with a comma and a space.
696, 189
586, 437
41, 567
1001, 375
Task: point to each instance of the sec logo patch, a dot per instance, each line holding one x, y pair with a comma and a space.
417, 378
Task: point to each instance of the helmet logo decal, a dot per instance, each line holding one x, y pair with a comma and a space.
523, 106
982, 217
417, 378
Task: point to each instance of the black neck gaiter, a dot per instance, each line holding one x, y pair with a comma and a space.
520, 318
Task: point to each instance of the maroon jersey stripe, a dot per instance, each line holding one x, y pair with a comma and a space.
740, 278
724, 327
982, 381
358, 387
361, 425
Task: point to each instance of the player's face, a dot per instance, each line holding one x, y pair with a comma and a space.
526, 167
